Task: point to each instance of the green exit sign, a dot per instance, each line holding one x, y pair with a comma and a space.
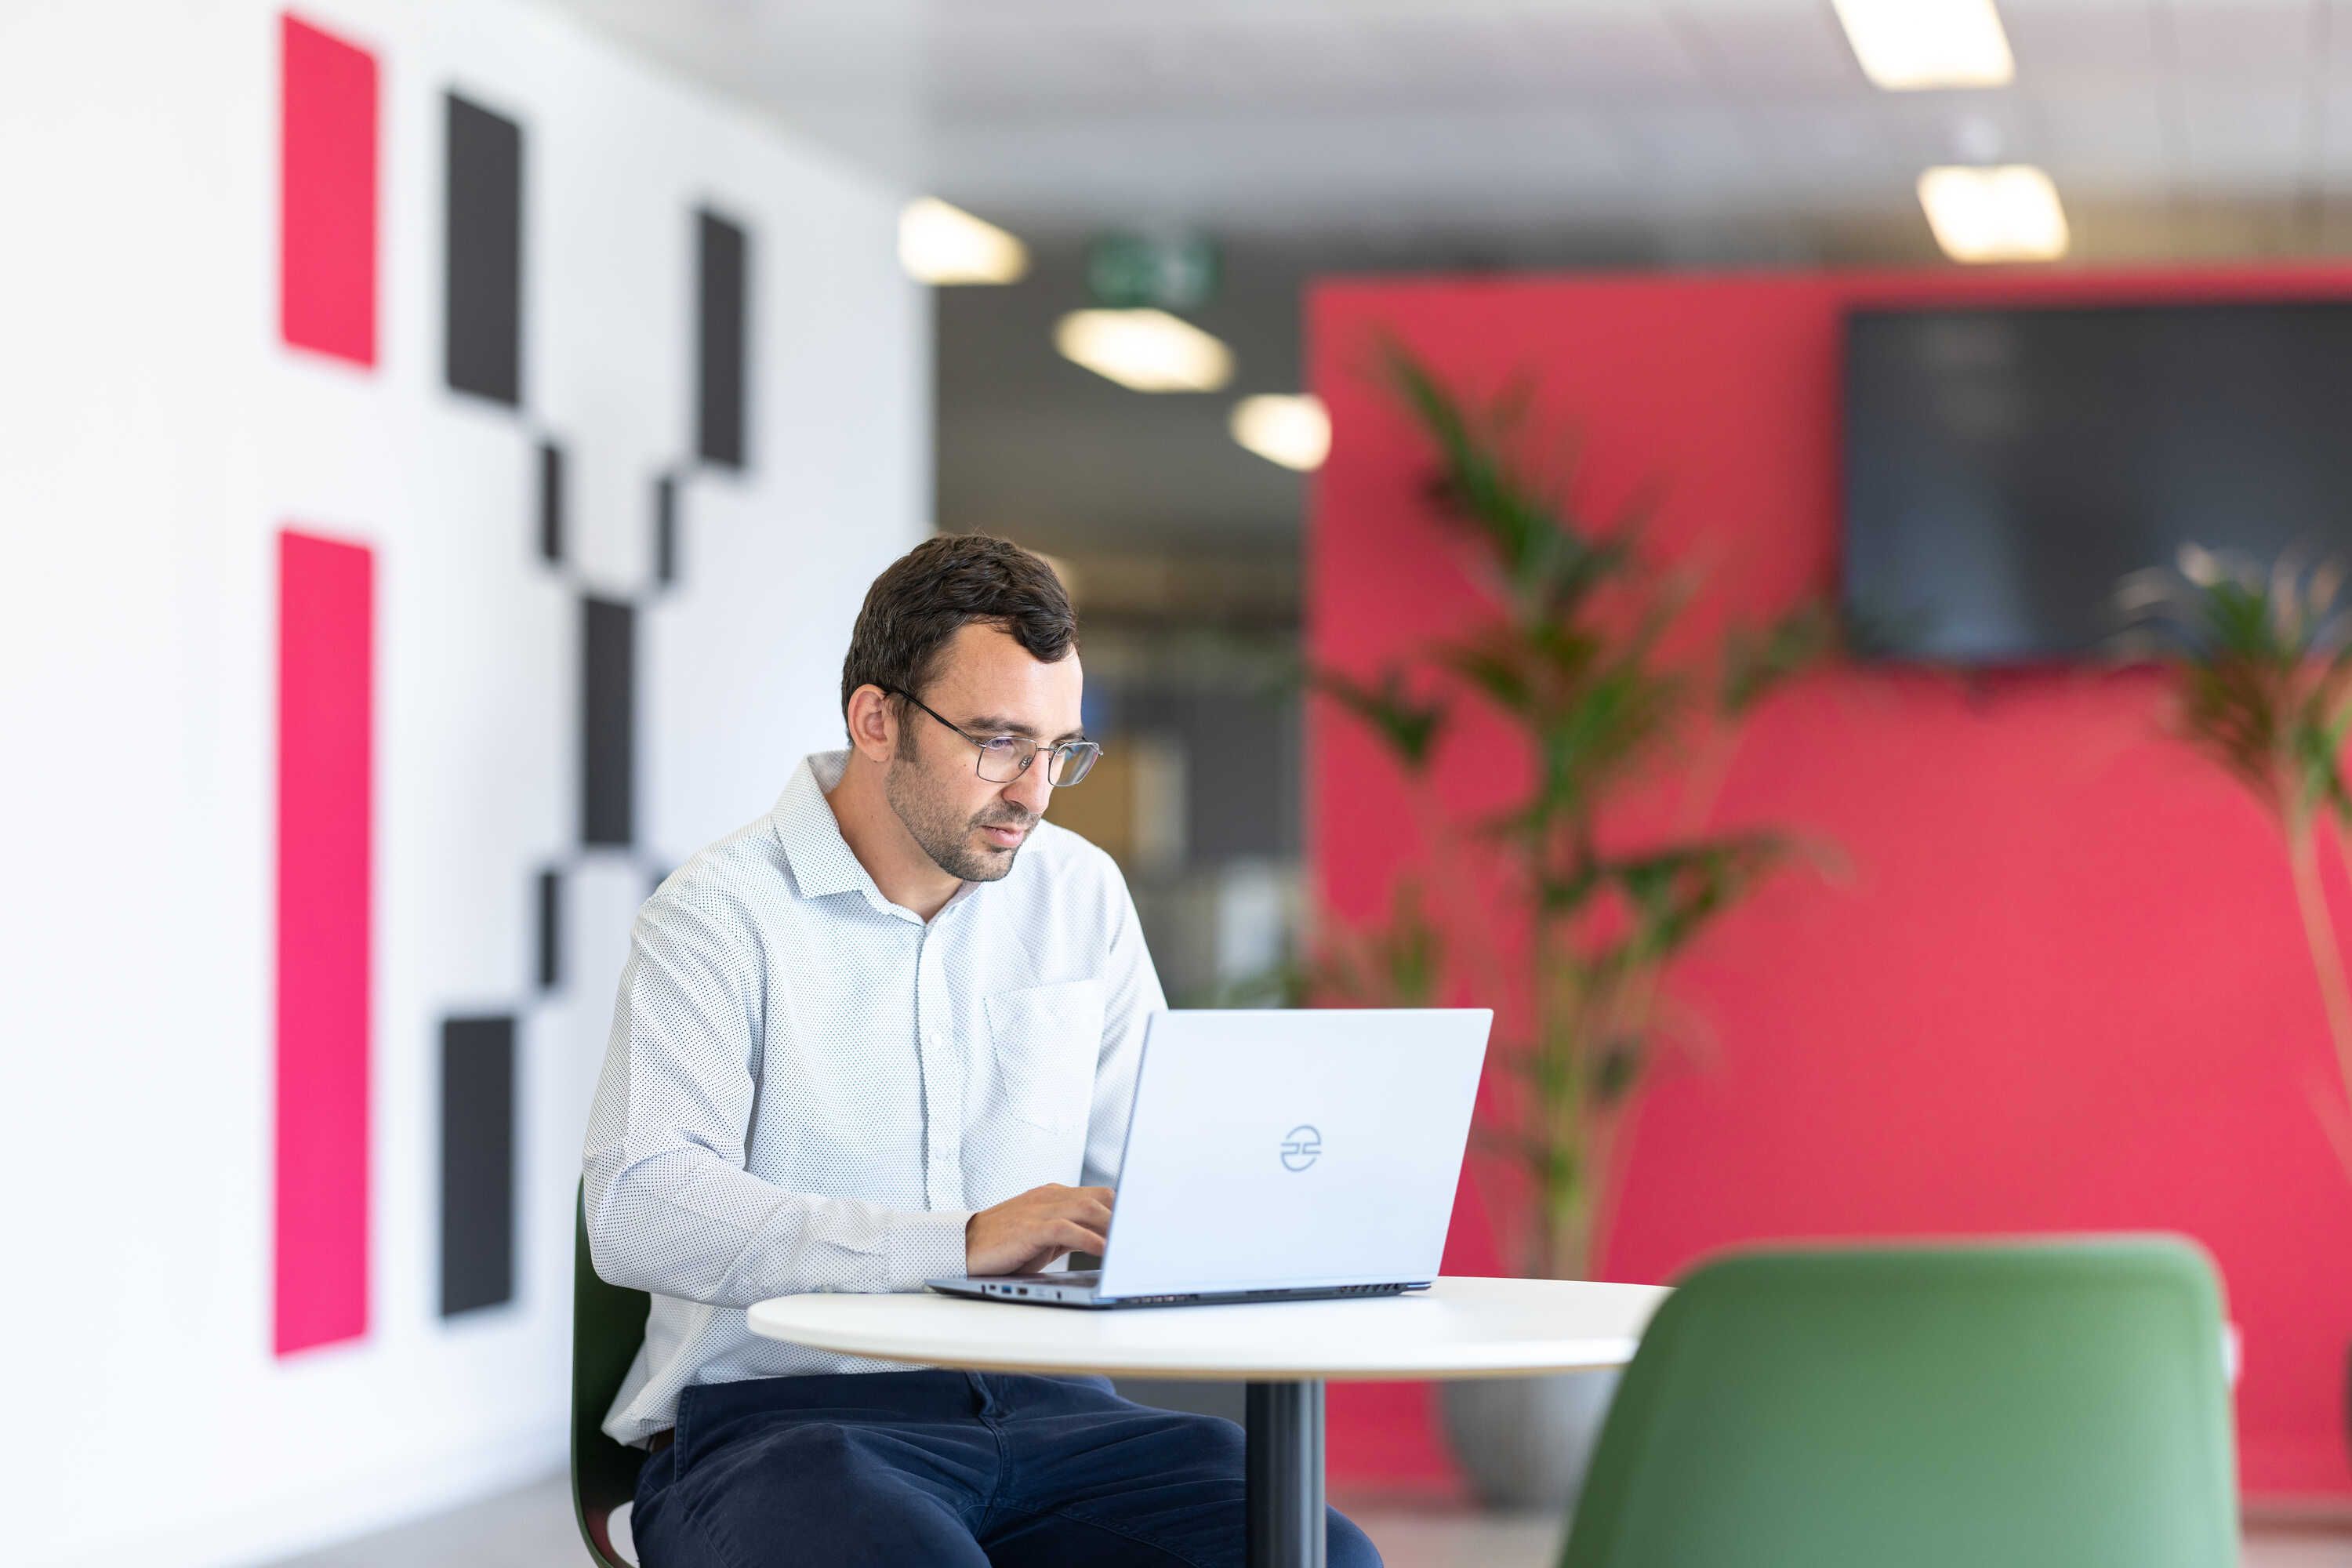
1124, 271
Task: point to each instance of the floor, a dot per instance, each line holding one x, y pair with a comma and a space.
533, 1528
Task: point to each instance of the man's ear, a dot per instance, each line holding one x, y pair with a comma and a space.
873, 726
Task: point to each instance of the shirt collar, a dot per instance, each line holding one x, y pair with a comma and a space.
821, 861
804, 825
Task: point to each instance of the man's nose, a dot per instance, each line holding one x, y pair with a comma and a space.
1030, 791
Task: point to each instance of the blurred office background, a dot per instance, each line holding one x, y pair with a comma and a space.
445, 442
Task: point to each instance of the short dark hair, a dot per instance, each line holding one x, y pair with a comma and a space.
922, 598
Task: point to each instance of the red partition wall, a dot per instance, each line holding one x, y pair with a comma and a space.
326, 813
327, 192
2063, 986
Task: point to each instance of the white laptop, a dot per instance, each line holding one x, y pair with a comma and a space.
1280, 1155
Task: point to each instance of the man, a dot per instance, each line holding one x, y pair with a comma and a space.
886, 1033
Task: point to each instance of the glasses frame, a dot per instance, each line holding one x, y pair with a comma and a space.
1093, 748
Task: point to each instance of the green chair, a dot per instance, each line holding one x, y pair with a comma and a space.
608, 1324
2034, 1405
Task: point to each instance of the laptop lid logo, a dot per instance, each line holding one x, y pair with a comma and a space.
1298, 1150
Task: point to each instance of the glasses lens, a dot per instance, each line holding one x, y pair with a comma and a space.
1004, 758
1072, 763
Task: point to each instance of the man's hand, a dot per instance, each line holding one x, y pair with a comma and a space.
1022, 1235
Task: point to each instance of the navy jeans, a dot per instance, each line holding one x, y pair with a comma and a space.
952, 1468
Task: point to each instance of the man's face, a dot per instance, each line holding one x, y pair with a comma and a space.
987, 684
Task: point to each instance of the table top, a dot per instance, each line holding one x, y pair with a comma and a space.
1460, 1327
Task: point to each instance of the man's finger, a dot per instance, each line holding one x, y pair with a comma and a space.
1076, 1237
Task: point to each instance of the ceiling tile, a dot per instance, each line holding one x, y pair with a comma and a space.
982, 63
1692, 147
1264, 172
1290, 60
1440, 58
1627, 48
1763, 46
1826, 134
2069, 41
1832, 156
2111, 140
2247, 139
1929, 127
1750, 9
2335, 21
2335, 134
2225, 38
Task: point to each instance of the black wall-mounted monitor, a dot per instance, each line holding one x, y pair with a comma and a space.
2004, 470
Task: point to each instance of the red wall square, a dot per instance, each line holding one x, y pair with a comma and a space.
327, 194
326, 769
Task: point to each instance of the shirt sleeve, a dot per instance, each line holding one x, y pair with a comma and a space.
670, 1207
1131, 994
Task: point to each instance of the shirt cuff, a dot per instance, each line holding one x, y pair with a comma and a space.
927, 1246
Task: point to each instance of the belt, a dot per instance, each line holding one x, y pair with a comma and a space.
661, 1439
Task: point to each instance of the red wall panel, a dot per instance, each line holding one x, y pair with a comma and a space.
326, 677
2063, 986
327, 194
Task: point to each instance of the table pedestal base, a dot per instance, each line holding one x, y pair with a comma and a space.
1284, 1423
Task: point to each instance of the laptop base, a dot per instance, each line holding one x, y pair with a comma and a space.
1077, 1288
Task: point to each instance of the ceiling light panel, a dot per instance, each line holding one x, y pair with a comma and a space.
1905, 45
1294, 431
2010, 213
1145, 351
946, 245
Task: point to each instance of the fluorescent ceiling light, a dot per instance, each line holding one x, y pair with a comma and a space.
2005, 214
1906, 43
941, 244
1293, 431
1149, 351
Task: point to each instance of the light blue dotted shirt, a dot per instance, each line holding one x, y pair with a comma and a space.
808, 1088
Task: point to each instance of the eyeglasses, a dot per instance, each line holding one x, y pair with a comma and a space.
1004, 758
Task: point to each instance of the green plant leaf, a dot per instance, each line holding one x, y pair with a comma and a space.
2264, 678
1757, 663
1675, 892
1410, 728
1617, 1069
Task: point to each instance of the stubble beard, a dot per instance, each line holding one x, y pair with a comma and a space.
937, 828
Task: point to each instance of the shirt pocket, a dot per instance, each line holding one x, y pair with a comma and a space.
1046, 1038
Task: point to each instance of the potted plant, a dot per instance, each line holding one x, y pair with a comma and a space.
1551, 909
2261, 672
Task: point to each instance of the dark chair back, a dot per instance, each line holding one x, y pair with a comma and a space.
608, 1324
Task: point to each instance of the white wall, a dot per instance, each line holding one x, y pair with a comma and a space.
154, 435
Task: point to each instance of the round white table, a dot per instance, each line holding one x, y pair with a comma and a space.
1285, 1351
